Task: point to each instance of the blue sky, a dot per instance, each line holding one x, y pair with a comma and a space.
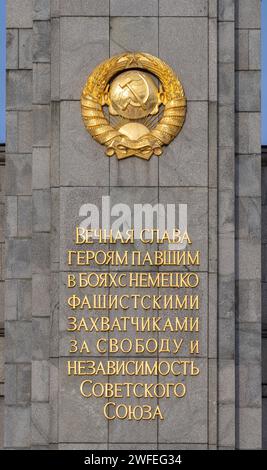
2, 70
264, 71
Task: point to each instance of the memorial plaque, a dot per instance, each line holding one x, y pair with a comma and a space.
133, 191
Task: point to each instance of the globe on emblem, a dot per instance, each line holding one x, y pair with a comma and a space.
133, 95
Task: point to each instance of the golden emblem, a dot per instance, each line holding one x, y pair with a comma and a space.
133, 103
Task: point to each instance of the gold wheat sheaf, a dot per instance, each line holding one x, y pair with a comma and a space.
97, 124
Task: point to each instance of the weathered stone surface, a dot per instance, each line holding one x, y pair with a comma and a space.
134, 34
189, 149
82, 160
254, 50
248, 91
18, 175
24, 132
41, 125
17, 427
40, 423
19, 15
24, 216
226, 42
12, 44
40, 168
41, 83
248, 14
248, 128
192, 407
242, 49
93, 426
41, 9
84, 44
226, 10
41, 295
41, 210
84, 8
19, 255
41, 41
40, 381
25, 49
183, 7
19, 89
173, 34
136, 8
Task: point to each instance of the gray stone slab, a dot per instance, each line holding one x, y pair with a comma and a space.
25, 132
19, 256
11, 299
23, 384
248, 91
248, 129
25, 49
183, 7
40, 295
84, 8
41, 10
250, 347
185, 161
25, 216
141, 431
250, 385
41, 83
226, 83
18, 335
41, 41
174, 33
249, 218
40, 423
248, 14
11, 132
226, 126
41, 125
82, 160
41, 257
192, 408
11, 216
136, 8
226, 425
226, 42
250, 428
84, 44
93, 426
196, 200
41, 210
213, 60
255, 49
19, 89
40, 338
18, 175
133, 34
226, 10
41, 168
12, 45
242, 49
248, 176
17, 427
226, 385
24, 295
19, 15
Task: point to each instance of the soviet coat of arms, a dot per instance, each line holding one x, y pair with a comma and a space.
134, 104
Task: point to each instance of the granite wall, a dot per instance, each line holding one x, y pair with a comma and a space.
53, 166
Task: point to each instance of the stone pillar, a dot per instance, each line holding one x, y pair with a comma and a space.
53, 167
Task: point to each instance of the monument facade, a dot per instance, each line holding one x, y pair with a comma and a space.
209, 179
